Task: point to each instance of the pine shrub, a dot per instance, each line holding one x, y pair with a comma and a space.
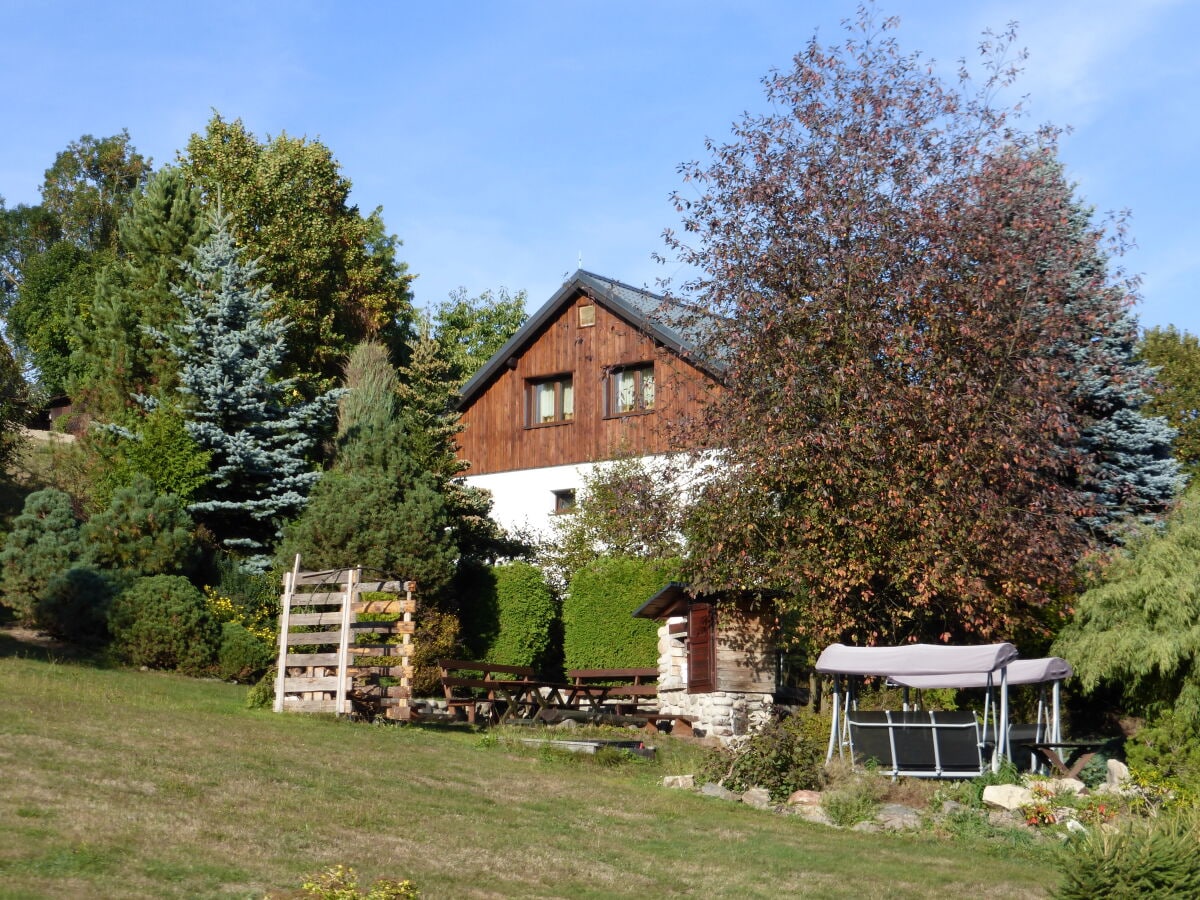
527, 613
1169, 743
163, 622
390, 518
74, 605
599, 630
44, 541
142, 532
1157, 858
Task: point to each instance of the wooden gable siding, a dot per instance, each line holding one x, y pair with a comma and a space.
495, 437
745, 648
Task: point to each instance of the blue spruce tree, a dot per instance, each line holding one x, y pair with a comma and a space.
257, 428
1131, 475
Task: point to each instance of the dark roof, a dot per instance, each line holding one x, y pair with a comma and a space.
670, 601
676, 326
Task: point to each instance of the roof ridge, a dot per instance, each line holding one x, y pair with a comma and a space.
605, 279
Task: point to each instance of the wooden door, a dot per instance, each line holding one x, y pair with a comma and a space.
702, 649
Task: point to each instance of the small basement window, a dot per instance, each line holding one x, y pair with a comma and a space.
550, 401
631, 389
564, 501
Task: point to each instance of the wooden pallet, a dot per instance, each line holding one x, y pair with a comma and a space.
322, 667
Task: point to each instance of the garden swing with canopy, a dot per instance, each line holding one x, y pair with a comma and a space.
917, 743
1047, 726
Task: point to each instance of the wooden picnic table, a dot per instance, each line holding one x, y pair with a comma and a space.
514, 694
603, 689
1079, 754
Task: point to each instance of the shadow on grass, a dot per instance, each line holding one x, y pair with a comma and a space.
23, 643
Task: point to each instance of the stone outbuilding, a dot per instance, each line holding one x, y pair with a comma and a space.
718, 661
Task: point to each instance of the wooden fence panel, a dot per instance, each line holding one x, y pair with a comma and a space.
321, 610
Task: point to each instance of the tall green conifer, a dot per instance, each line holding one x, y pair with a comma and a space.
378, 506
120, 356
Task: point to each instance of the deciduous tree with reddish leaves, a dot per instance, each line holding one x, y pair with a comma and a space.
895, 268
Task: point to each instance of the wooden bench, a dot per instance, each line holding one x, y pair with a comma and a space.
468, 683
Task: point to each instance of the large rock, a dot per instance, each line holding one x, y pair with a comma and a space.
1118, 774
759, 798
1007, 796
897, 817
679, 781
810, 814
1069, 786
712, 789
804, 798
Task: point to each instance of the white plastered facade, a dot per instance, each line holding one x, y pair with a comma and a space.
524, 500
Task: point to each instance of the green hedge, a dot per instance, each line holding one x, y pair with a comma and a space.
599, 630
526, 613
474, 596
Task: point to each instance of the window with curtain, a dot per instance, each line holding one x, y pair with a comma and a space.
631, 389
550, 401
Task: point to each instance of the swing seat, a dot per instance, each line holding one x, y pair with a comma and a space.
918, 744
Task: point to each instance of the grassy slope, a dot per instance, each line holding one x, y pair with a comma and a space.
130, 784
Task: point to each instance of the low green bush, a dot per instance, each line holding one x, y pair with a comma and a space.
1169, 744
141, 532
243, 656
853, 801
262, 694
436, 638
1151, 790
163, 622
783, 757
599, 630
1154, 858
74, 606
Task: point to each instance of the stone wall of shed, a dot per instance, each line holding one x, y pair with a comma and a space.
723, 714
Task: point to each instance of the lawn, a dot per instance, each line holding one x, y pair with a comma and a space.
138, 784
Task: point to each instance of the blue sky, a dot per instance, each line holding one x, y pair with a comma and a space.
508, 140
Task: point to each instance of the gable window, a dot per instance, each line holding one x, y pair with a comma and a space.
564, 501
631, 389
550, 401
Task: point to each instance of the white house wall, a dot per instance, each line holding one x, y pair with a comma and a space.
524, 500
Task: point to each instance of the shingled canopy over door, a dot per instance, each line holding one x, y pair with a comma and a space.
702, 650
